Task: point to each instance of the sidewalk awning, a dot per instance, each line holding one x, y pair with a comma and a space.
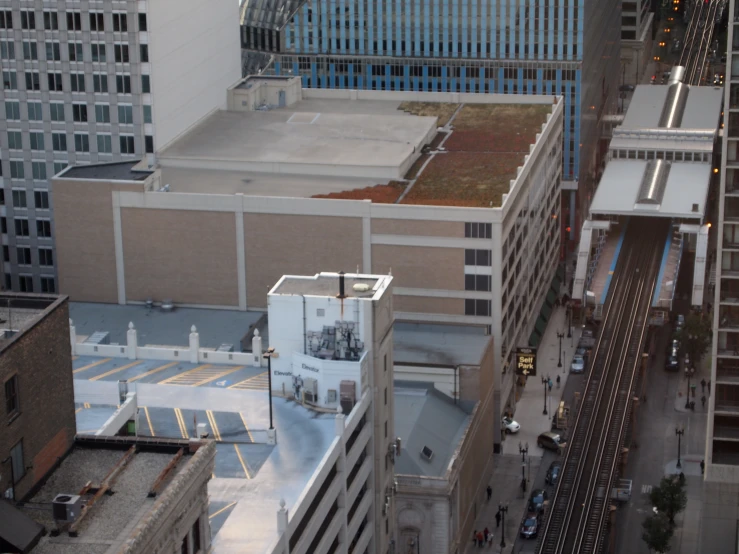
18, 532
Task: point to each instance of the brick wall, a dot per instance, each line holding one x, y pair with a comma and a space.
40, 356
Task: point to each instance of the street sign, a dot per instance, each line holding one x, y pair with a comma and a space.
526, 361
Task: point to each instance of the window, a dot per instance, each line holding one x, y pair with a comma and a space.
125, 114
149, 144
2, 196
43, 228
35, 111
16, 460
100, 82
79, 113
37, 140
3, 225
477, 307
385, 396
23, 253
142, 22
55, 82
59, 167
147, 114
477, 257
144, 49
28, 19
10, 80
19, 198
123, 84
57, 111
97, 21
14, 140
59, 142
74, 21
21, 230
6, 19
121, 53
145, 84
385, 429
12, 110
47, 284
6, 253
32, 80
53, 51
102, 113
29, 51
105, 144
45, 256
81, 142
75, 52
120, 23
41, 199
196, 542
38, 170
25, 283
127, 144
16, 170
478, 282
78, 82
51, 21
7, 50
98, 51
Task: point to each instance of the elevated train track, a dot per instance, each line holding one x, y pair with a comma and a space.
698, 39
577, 519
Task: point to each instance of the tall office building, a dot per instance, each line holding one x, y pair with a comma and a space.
563, 47
637, 22
97, 81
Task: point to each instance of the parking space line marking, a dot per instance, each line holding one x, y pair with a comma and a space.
243, 420
87, 405
180, 375
116, 370
181, 422
259, 376
243, 463
78, 410
219, 512
218, 375
74, 358
90, 366
148, 420
152, 371
213, 425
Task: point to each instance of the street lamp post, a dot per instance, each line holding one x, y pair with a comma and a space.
679, 433
503, 510
689, 372
545, 381
569, 321
268, 355
560, 336
523, 450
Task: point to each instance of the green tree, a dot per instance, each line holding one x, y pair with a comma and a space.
657, 533
695, 337
669, 497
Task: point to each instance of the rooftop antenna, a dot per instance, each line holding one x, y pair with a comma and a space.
10, 314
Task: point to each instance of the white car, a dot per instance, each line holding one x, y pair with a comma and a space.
511, 427
578, 364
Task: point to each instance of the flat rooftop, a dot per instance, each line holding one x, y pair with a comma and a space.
360, 150
438, 345
328, 284
116, 171
19, 312
686, 186
702, 109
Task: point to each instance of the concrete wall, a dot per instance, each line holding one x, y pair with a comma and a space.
40, 358
195, 55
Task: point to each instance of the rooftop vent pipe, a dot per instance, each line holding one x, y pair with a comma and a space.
677, 96
341, 285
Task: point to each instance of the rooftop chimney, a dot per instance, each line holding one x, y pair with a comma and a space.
341, 285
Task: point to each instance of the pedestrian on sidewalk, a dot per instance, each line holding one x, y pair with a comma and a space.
703, 400
497, 519
550, 384
557, 381
490, 492
490, 540
692, 388
703, 466
474, 537
703, 386
480, 539
485, 534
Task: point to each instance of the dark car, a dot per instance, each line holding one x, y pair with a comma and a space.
553, 473
672, 360
530, 526
537, 499
626, 88
551, 441
584, 352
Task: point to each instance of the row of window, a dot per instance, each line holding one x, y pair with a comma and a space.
55, 82
22, 228
19, 198
478, 257
478, 230
23, 255
669, 156
118, 21
76, 52
25, 283
35, 112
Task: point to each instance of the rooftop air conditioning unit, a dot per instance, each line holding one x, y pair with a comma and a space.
66, 507
427, 453
347, 395
310, 390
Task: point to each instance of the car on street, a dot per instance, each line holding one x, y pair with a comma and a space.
530, 526
511, 426
584, 352
536, 500
578, 364
551, 441
672, 360
553, 473
626, 88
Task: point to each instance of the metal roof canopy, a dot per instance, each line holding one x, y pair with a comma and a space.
624, 182
702, 108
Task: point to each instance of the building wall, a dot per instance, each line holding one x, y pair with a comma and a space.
405, 261
194, 57
155, 267
428, 228
40, 357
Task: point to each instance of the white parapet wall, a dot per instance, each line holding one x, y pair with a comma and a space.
126, 412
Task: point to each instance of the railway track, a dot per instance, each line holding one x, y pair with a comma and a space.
577, 518
698, 39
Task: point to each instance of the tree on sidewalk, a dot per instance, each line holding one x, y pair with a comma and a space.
695, 337
657, 533
669, 497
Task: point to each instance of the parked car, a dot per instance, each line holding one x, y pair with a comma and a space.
551, 441
536, 500
679, 322
530, 526
553, 473
626, 88
672, 360
578, 364
511, 426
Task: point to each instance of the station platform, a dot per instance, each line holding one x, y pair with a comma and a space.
604, 265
